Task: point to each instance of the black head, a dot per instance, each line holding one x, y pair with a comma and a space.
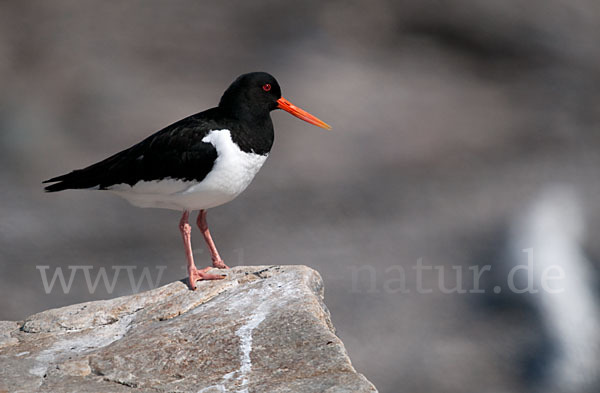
252, 96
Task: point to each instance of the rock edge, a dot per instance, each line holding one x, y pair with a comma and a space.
263, 329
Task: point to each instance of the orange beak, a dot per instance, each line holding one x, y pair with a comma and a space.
301, 114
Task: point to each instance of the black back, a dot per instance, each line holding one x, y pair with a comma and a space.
177, 151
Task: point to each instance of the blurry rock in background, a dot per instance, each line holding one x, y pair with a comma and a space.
551, 268
450, 118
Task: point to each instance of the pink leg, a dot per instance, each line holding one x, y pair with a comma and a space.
203, 225
193, 273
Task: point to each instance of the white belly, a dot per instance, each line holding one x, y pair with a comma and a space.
231, 174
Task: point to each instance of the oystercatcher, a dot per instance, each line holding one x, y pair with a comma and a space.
199, 162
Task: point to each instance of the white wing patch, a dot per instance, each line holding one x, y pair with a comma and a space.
232, 172
164, 187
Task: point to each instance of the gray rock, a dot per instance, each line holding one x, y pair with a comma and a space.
263, 329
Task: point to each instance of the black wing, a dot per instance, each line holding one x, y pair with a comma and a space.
176, 151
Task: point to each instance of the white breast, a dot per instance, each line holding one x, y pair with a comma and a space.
231, 174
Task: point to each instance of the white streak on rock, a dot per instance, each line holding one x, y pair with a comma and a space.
245, 335
271, 296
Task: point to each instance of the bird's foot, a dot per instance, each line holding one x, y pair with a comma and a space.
200, 274
220, 264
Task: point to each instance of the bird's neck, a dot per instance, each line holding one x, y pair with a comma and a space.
252, 133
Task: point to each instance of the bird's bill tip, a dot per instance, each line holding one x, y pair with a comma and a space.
287, 106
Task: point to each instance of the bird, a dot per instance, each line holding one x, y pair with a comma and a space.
197, 163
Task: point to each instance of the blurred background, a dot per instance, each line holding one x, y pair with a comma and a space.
464, 132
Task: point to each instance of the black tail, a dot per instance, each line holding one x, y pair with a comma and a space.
75, 180
55, 187
122, 167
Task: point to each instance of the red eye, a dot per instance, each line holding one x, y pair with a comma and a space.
266, 87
